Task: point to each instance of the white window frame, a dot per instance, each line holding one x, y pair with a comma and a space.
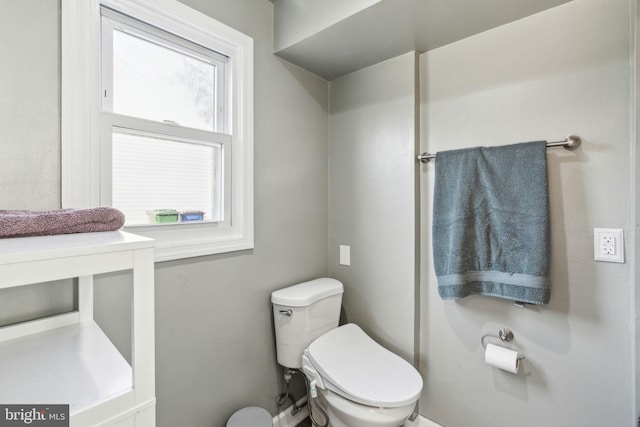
82, 156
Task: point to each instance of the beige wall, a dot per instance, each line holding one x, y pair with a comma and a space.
215, 351
565, 70
30, 105
214, 336
562, 71
297, 19
372, 141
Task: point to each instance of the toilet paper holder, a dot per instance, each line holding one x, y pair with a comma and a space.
504, 334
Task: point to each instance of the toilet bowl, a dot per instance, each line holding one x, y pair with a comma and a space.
344, 413
359, 383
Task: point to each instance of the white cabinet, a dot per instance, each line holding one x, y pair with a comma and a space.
67, 359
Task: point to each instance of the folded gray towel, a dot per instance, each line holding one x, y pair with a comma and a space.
20, 223
491, 222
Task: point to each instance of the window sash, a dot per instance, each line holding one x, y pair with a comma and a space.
111, 121
112, 20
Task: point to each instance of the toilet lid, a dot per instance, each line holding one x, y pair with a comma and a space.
362, 370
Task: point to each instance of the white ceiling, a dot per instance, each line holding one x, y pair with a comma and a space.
392, 27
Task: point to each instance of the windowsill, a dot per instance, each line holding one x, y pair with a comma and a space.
186, 240
133, 227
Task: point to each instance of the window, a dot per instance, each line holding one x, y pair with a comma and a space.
157, 121
163, 120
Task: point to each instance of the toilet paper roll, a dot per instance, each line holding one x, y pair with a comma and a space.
502, 358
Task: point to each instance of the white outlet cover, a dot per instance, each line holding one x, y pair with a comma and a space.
608, 244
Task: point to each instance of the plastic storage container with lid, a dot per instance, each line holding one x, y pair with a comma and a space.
188, 216
163, 215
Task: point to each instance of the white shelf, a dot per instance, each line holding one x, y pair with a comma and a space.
75, 365
65, 245
45, 258
67, 359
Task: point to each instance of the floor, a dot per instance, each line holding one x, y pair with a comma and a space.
305, 423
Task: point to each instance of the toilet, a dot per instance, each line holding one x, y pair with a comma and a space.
359, 382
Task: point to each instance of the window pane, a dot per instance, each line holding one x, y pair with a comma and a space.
151, 173
158, 83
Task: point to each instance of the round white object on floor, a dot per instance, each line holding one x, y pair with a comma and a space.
251, 416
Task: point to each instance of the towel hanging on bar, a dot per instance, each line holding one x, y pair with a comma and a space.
491, 223
571, 143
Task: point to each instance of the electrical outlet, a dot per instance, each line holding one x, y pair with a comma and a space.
608, 244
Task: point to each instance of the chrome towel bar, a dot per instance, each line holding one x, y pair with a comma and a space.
569, 143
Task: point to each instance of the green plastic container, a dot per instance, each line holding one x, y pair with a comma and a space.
163, 215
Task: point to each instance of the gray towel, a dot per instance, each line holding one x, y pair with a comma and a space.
491, 222
20, 223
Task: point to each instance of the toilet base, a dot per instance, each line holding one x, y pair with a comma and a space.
345, 413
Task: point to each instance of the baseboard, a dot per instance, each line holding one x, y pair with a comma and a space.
421, 421
426, 422
285, 419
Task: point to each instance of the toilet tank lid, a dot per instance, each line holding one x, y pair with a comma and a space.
306, 293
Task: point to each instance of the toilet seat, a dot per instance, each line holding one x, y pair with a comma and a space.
355, 366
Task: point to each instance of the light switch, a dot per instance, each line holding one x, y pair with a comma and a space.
345, 255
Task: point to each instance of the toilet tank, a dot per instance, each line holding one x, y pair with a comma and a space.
302, 313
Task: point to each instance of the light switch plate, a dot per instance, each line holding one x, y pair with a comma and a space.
608, 244
345, 255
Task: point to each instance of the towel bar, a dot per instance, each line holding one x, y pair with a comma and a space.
571, 143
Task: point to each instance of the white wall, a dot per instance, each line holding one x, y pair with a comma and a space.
562, 71
373, 197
